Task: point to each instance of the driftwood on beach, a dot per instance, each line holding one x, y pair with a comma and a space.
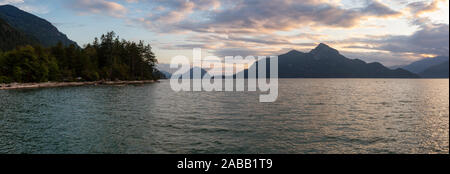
64, 84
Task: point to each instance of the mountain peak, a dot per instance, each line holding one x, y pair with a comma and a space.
323, 45
7, 6
294, 52
324, 48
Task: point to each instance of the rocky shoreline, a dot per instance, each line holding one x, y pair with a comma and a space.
66, 84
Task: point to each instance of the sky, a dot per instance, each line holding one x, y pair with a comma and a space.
393, 32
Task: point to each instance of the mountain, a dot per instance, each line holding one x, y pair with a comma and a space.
166, 74
10, 37
421, 65
393, 67
436, 71
326, 62
165, 70
160, 75
45, 33
203, 72
169, 72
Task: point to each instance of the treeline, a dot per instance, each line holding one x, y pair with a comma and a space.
107, 58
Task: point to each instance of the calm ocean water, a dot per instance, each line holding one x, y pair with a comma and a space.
310, 116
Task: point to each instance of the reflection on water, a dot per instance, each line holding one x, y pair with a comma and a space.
310, 116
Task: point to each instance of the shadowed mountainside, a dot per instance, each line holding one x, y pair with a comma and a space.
10, 37
40, 29
437, 71
326, 62
421, 65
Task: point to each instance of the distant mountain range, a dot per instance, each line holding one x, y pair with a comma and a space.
326, 62
436, 71
323, 62
29, 28
436, 67
166, 74
422, 65
202, 71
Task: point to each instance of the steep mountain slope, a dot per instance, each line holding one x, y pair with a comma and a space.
10, 37
45, 33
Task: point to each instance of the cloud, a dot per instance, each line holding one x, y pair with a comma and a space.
421, 7
167, 13
252, 27
132, 1
181, 10
256, 16
378, 9
3, 2
37, 9
428, 40
102, 7
241, 52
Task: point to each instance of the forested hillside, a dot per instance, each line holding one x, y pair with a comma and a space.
107, 58
10, 37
